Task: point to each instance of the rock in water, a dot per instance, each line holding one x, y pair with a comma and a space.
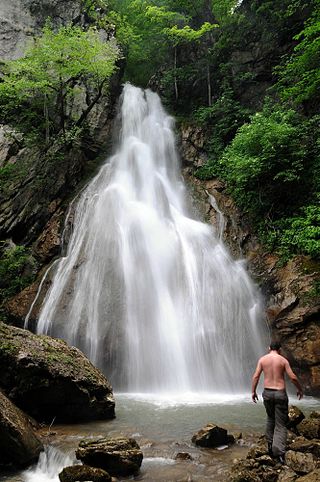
49, 379
212, 436
295, 417
79, 473
117, 455
19, 445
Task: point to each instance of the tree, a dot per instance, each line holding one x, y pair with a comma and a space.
153, 31
299, 77
51, 70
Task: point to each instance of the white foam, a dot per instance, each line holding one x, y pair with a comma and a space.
50, 464
167, 400
158, 461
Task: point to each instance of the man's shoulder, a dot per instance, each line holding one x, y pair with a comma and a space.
269, 357
263, 358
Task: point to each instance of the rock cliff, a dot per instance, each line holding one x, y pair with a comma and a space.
20, 20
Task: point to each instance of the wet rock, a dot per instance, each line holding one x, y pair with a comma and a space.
314, 476
183, 456
211, 436
48, 244
300, 444
243, 471
295, 416
265, 460
287, 475
258, 450
302, 463
315, 414
192, 143
19, 445
310, 428
51, 380
117, 455
17, 307
79, 473
10, 141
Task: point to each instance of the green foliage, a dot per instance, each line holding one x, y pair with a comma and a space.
222, 118
272, 170
150, 29
299, 234
39, 84
188, 34
17, 270
223, 9
299, 77
265, 161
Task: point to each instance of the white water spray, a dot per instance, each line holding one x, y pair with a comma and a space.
148, 293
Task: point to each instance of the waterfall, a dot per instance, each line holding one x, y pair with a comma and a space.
150, 294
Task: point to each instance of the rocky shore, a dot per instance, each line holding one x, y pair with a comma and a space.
49, 381
302, 461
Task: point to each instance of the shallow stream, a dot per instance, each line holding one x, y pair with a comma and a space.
163, 427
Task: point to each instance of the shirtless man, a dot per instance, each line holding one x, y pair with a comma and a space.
275, 398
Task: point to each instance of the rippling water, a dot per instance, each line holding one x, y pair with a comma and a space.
163, 426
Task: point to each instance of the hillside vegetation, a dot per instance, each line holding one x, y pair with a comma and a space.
266, 147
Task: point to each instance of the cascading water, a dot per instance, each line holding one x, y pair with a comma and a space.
148, 293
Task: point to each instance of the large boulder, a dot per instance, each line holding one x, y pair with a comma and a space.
49, 379
212, 436
79, 473
301, 463
117, 455
310, 428
19, 445
300, 444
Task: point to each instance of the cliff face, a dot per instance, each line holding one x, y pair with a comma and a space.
34, 200
20, 20
292, 303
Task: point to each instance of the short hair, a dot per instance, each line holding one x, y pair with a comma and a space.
275, 345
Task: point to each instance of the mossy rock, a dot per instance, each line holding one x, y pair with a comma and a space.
49, 379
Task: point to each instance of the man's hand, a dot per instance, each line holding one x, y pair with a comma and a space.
255, 397
299, 394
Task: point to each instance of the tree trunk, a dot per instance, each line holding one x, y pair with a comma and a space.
86, 112
46, 118
62, 114
209, 86
175, 74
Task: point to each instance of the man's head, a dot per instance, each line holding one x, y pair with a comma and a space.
275, 345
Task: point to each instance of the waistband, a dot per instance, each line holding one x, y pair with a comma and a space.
275, 389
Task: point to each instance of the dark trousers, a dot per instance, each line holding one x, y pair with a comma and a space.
276, 405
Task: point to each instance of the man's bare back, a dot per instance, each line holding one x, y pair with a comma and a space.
274, 366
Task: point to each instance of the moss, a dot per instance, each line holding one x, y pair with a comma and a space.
312, 297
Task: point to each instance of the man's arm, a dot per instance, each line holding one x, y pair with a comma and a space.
294, 379
255, 381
